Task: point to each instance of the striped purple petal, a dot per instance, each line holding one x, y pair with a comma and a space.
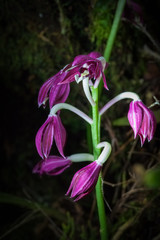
143, 131
135, 117
50, 89
44, 138
149, 122
53, 165
44, 91
58, 94
59, 134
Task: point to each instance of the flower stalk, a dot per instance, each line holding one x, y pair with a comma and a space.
95, 127
71, 108
80, 157
114, 29
86, 89
129, 95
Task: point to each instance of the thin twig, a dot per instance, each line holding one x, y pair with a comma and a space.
123, 228
119, 183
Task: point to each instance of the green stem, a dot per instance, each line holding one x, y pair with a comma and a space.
112, 35
95, 127
114, 29
95, 140
96, 123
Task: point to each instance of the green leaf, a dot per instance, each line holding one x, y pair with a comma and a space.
152, 178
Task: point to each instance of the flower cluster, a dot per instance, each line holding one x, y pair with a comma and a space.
88, 69
56, 89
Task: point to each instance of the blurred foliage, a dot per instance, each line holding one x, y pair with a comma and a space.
101, 21
38, 38
152, 178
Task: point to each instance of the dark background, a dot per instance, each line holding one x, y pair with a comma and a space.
37, 39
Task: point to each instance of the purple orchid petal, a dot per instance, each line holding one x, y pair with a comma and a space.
70, 75
149, 121
81, 59
53, 165
152, 126
104, 81
44, 138
59, 134
58, 94
47, 139
44, 90
143, 131
135, 117
50, 87
94, 54
84, 181
37, 168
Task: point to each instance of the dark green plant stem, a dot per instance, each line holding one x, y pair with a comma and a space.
114, 29
96, 121
95, 140
112, 35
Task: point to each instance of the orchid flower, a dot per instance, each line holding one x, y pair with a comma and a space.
89, 66
86, 68
53, 165
84, 181
51, 129
142, 121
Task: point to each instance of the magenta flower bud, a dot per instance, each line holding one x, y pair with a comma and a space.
142, 121
84, 181
50, 130
53, 165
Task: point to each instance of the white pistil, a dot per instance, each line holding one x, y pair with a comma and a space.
129, 95
86, 89
81, 157
83, 76
105, 152
69, 107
